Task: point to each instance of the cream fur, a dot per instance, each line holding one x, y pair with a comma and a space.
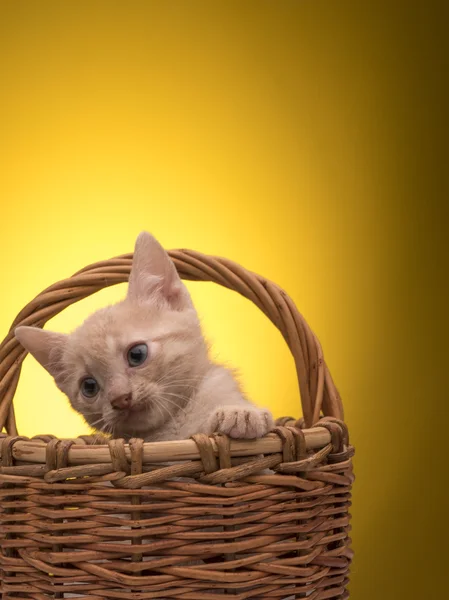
177, 392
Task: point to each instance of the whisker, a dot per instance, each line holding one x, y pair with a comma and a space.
181, 396
161, 402
173, 402
159, 409
173, 373
178, 384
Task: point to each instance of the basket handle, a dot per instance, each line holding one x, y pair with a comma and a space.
318, 392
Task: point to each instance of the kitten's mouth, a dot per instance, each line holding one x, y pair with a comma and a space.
128, 420
127, 412
135, 408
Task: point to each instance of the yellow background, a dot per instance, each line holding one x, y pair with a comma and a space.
302, 139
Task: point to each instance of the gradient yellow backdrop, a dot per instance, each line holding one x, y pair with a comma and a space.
302, 139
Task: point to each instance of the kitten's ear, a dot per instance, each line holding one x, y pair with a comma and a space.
45, 346
154, 276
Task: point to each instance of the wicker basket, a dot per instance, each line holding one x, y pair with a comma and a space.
94, 518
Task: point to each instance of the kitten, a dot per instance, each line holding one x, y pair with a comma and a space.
140, 368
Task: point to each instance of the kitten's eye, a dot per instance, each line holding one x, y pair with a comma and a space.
89, 387
137, 355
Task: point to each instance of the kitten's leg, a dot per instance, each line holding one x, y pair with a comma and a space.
219, 406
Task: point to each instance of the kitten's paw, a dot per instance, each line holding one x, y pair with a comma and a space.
241, 423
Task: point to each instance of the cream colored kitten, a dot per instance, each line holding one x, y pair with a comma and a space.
141, 368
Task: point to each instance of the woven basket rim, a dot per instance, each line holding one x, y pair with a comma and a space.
84, 451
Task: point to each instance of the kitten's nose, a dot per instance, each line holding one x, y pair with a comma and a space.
121, 402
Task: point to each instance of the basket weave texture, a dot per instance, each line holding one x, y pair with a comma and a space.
198, 519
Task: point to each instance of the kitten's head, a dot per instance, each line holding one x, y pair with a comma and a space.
129, 367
